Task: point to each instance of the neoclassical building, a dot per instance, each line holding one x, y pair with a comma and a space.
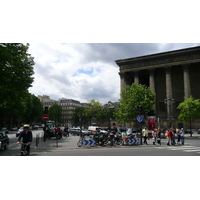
171, 75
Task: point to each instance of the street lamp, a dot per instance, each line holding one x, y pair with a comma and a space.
169, 102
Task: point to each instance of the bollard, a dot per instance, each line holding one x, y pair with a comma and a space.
37, 140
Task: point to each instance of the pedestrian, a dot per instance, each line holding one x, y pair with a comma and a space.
27, 137
145, 134
179, 136
182, 133
172, 134
168, 135
66, 132
159, 136
154, 136
123, 137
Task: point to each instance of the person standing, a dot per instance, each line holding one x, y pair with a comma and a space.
182, 136
154, 136
145, 134
66, 132
179, 136
27, 137
167, 133
172, 134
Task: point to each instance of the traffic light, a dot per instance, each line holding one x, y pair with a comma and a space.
139, 110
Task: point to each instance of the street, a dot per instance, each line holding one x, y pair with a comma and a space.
68, 147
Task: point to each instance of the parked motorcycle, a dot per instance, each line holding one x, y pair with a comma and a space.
50, 133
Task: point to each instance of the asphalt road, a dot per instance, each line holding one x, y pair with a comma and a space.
68, 147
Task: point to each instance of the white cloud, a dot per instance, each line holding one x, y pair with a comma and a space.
86, 71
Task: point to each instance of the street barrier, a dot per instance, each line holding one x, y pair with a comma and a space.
86, 142
133, 141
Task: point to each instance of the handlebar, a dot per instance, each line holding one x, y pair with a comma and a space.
25, 144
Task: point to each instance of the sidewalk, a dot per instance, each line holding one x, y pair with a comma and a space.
71, 143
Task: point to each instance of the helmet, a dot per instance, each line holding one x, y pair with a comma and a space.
26, 126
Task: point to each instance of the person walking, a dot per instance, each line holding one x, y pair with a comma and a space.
182, 133
154, 136
168, 135
172, 134
179, 136
159, 136
27, 137
66, 132
145, 135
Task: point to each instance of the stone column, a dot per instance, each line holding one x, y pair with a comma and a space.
152, 84
152, 80
186, 79
168, 91
136, 77
123, 82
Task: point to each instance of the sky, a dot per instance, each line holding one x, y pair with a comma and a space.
75, 45
86, 71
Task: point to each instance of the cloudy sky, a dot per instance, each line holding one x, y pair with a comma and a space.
85, 71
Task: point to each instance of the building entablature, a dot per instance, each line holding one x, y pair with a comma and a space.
172, 58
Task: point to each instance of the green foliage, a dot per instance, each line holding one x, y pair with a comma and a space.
16, 71
131, 97
189, 110
55, 113
80, 114
94, 109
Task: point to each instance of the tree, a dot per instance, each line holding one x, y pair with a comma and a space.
80, 117
132, 97
55, 113
94, 110
16, 70
189, 110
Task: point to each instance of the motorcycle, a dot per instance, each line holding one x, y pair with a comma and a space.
118, 139
130, 136
50, 133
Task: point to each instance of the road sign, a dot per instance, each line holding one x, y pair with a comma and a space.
133, 141
88, 142
140, 118
45, 117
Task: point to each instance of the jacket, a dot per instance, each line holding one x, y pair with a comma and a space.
27, 137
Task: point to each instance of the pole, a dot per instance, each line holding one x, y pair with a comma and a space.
140, 133
45, 123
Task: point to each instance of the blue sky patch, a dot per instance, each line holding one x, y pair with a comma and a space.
88, 72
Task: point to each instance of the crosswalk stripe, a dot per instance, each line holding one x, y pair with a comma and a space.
190, 150
182, 148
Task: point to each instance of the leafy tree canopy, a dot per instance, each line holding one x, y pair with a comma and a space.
16, 70
189, 109
131, 97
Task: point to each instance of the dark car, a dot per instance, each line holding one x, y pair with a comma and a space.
188, 132
4, 140
4, 129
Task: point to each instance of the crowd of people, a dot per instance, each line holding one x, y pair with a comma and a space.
169, 133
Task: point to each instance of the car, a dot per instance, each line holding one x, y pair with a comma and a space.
93, 129
4, 140
4, 129
14, 129
77, 131
35, 127
188, 132
19, 131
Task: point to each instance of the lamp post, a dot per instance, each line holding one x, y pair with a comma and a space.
169, 102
